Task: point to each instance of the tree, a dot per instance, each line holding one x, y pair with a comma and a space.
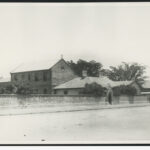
92, 67
126, 71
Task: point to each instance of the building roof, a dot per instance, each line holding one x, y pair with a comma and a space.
5, 79
80, 83
34, 66
146, 84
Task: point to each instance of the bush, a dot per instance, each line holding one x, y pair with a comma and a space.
93, 89
23, 90
2, 91
129, 90
124, 90
8, 89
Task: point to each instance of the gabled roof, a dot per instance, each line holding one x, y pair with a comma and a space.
34, 66
146, 84
80, 83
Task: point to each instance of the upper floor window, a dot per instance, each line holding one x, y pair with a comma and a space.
29, 77
22, 76
44, 76
36, 77
62, 68
15, 77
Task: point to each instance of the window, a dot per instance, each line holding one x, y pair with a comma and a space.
15, 77
36, 77
29, 77
44, 76
45, 91
32, 91
55, 91
22, 76
62, 68
65, 92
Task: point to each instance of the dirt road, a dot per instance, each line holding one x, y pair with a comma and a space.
93, 126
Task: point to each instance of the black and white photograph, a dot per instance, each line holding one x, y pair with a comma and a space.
75, 73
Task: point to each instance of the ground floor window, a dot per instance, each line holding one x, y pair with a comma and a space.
45, 91
35, 91
55, 91
65, 92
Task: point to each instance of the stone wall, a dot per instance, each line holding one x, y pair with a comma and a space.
45, 100
129, 100
38, 100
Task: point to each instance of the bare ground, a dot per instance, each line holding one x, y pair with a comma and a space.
125, 125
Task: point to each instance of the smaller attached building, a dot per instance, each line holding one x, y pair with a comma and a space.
76, 86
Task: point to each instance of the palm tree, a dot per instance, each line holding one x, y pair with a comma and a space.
127, 72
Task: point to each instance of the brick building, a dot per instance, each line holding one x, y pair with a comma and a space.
42, 77
76, 85
57, 78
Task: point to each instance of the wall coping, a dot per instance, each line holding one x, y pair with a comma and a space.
53, 95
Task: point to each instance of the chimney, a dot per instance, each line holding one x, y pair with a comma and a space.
84, 74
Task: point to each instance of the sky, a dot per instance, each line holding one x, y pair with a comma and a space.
109, 33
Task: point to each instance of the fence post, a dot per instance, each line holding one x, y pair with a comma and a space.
131, 99
148, 98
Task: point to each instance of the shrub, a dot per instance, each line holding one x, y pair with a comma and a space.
124, 90
94, 89
23, 90
129, 90
8, 89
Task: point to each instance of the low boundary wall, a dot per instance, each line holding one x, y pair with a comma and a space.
39, 100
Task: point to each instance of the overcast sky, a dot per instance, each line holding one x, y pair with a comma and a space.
106, 32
